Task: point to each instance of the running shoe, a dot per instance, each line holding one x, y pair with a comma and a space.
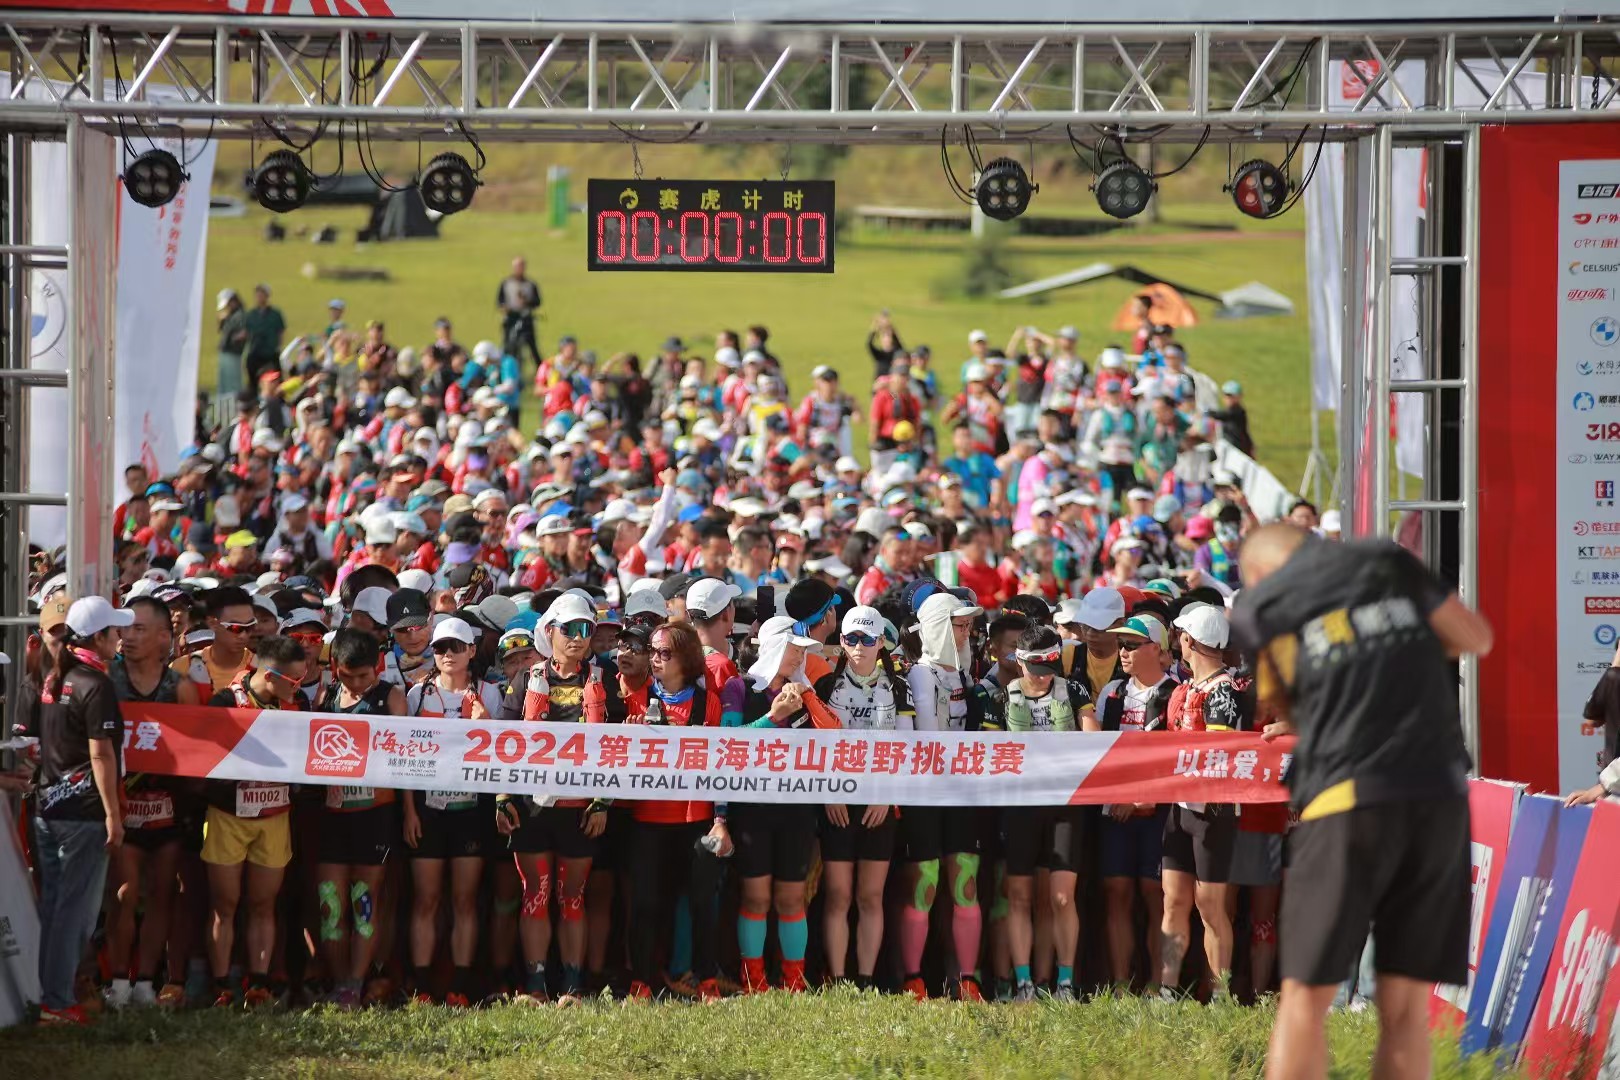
454, 1000
172, 996
728, 986
142, 996
1025, 994
967, 989
753, 976
568, 999
117, 994
793, 980
225, 998
916, 988
684, 985
379, 991
535, 996
709, 990
72, 1015
346, 998
257, 997
639, 992
1064, 994
422, 997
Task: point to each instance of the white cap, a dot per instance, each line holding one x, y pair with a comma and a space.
918, 530
406, 521
976, 336
1042, 506
863, 620
832, 566
398, 398
708, 597
453, 629
93, 614
1101, 608
265, 439
303, 617
1206, 624
567, 608
976, 372
873, 521
846, 464
617, 510
1069, 332
225, 297
1141, 493
381, 531
727, 357
1068, 611
167, 502
373, 602
1224, 478
294, 503
336, 303
706, 428
822, 371
486, 350
262, 602
747, 507
1331, 521
646, 601
420, 580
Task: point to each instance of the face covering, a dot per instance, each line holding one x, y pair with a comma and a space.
938, 637
774, 637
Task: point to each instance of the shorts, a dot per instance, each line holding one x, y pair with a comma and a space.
1401, 869
1256, 859
927, 832
1133, 848
150, 840
855, 841
1200, 844
557, 830
1042, 837
359, 837
229, 840
453, 834
773, 839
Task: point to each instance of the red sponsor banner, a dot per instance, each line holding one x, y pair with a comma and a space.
631, 761
1574, 1018
1491, 804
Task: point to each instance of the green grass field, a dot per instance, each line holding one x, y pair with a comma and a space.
835, 1034
813, 318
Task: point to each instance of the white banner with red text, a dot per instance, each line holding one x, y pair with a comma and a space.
636, 761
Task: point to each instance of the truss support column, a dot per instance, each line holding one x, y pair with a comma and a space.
1468, 563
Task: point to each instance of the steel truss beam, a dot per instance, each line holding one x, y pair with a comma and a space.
881, 82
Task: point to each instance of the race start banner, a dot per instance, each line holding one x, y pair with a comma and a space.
637, 761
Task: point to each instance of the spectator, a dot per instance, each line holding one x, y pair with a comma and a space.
264, 326
517, 299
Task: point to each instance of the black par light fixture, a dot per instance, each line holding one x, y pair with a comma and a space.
1003, 189
448, 183
1260, 189
1123, 189
154, 178
282, 182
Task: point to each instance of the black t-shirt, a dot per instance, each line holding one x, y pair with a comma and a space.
1603, 707
85, 708
1343, 635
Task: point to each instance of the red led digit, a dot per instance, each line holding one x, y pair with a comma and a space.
701, 233
635, 236
787, 237
720, 237
818, 235
602, 237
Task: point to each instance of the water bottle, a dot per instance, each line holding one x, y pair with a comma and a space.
655, 710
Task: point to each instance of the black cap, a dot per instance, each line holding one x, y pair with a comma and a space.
408, 608
201, 536
807, 598
676, 585
246, 397
464, 574
640, 637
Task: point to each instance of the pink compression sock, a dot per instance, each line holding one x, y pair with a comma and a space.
966, 925
913, 938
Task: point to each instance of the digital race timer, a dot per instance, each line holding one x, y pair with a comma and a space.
781, 225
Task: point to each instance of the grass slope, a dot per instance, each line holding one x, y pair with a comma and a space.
813, 318
841, 1033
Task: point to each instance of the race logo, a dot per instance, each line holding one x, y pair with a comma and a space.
1606, 331
1598, 191
1603, 605
1602, 432
338, 747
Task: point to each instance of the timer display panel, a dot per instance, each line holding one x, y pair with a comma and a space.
783, 226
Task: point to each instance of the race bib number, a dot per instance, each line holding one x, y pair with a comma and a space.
450, 800
350, 798
257, 798
149, 810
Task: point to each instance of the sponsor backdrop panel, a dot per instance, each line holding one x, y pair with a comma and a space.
1549, 439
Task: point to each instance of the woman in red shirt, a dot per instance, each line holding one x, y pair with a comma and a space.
665, 855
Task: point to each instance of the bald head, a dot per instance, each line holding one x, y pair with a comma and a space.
1267, 548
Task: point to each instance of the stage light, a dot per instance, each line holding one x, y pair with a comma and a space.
1003, 189
1260, 189
282, 182
1123, 189
448, 184
154, 178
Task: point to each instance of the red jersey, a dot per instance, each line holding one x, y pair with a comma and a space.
675, 714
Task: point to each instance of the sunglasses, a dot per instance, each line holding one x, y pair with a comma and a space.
307, 638
272, 673
239, 627
867, 640
666, 655
450, 648
1132, 644
577, 629
514, 644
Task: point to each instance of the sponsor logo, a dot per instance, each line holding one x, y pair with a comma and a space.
1586, 243
1578, 296
1585, 963
1603, 489
1579, 267
1601, 577
1605, 331
1589, 552
1605, 635
1606, 459
1603, 605
1596, 528
1577, 459
1582, 219
1598, 191
1590, 667
338, 747
1584, 402
1603, 433
1583, 367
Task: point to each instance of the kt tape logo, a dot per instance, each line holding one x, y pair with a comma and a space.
337, 748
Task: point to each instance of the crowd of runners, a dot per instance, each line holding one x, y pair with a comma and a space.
677, 539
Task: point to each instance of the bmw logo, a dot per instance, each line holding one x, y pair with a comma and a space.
1585, 402
1606, 331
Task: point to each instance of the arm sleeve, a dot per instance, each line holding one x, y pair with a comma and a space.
920, 682
662, 512
731, 702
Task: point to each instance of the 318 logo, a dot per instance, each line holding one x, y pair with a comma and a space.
1602, 432
338, 747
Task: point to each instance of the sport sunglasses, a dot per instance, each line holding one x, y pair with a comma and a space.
238, 627
860, 639
450, 647
577, 629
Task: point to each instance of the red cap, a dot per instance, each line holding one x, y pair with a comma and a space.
1132, 596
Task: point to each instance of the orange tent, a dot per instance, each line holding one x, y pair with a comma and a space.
1169, 308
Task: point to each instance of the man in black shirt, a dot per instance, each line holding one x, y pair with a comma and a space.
1354, 642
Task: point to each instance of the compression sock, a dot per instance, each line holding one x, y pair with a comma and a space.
680, 943
573, 979
461, 981
1065, 975
1021, 974
913, 939
793, 935
966, 925
751, 935
535, 981
421, 979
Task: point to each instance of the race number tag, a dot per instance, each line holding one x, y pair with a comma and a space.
450, 800
350, 798
148, 810
257, 798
